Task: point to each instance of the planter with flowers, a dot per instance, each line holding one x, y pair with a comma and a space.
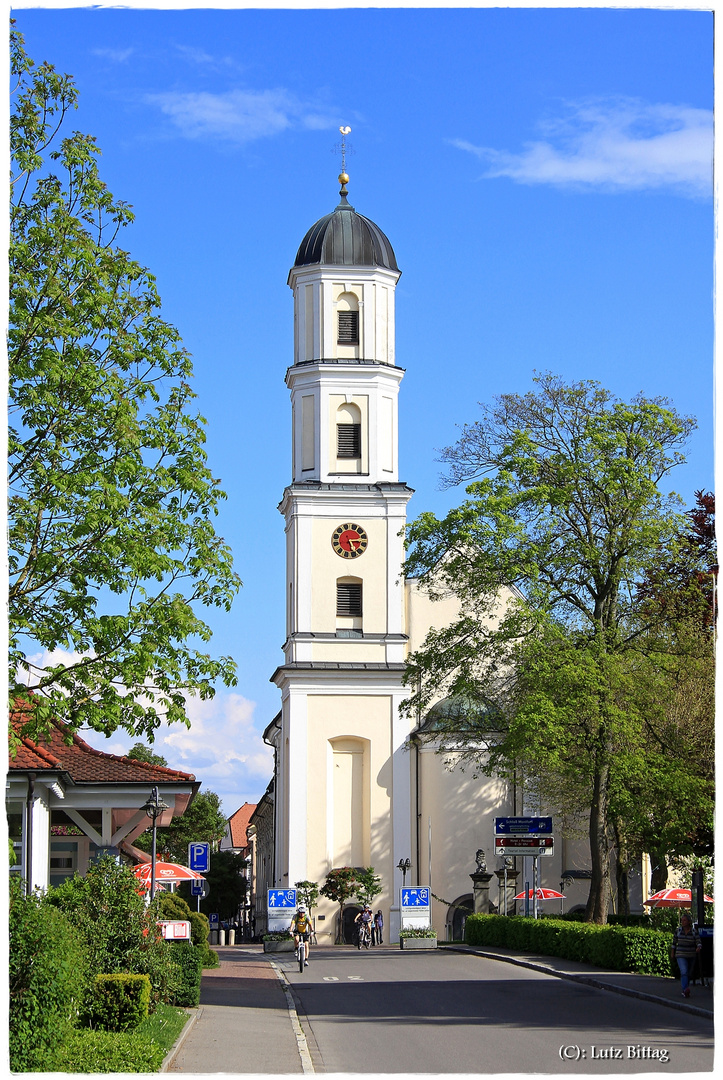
418, 938
281, 941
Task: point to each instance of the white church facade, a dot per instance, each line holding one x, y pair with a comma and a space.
354, 785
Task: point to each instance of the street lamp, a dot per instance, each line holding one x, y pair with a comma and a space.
404, 865
154, 807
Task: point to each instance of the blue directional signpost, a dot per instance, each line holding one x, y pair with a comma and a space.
523, 826
525, 836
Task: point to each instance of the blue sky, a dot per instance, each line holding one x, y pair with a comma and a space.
543, 175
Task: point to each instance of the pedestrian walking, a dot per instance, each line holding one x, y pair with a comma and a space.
685, 950
379, 927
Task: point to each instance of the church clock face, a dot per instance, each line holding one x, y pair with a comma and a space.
349, 540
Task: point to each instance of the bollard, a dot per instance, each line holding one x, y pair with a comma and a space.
222, 937
232, 937
213, 937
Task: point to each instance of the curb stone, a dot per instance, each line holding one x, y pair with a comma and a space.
588, 980
170, 1056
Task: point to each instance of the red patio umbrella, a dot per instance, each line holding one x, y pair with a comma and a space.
673, 898
541, 894
165, 871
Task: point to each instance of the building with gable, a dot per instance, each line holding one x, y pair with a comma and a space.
68, 804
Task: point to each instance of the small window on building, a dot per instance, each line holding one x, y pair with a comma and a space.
348, 328
348, 440
348, 599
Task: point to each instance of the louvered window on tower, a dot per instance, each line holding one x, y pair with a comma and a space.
348, 440
348, 598
348, 328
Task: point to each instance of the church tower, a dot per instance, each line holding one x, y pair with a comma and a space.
343, 793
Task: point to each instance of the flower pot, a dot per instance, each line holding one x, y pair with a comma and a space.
418, 943
279, 946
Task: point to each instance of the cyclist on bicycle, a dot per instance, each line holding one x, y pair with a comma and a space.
364, 918
301, 929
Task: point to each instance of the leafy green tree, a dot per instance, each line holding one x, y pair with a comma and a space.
202, 822
368, 885
340, 886
141, 752
565, 516
227, 884
111, 544
307, 893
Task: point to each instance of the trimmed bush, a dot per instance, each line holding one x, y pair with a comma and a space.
120, 1002
187, 959
617, 948
47, 972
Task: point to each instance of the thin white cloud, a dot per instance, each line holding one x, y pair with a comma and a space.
238, 115
117, 56
615, 145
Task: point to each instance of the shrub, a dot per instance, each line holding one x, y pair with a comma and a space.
48, 971
418, 931
88, 1051
278, 935
617, 948
120, 932
120, 1002
187, 959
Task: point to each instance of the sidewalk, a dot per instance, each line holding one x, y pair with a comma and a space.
243, 1024
656, 988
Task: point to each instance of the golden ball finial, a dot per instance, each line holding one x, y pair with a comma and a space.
343, 178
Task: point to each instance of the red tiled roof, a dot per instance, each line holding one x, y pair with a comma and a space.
238, 823
82, 762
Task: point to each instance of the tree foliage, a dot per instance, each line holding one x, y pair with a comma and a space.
111, 544
368, 885
202, 822
340, 886
141, 752
564, 519
307, 893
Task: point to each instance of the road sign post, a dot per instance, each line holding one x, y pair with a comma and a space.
280, 907
415, 905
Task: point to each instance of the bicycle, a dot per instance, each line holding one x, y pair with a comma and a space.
365, 936
301, 953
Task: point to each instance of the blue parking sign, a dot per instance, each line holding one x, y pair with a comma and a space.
198, 856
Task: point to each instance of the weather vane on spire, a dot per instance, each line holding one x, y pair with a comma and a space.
345, 149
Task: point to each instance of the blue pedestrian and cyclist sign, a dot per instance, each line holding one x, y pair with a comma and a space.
412, 899
281, 900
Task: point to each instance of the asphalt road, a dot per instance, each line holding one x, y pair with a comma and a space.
390, 1011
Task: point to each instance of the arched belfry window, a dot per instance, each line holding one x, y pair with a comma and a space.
348, 431
347, 320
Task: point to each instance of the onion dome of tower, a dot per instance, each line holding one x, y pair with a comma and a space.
345, 238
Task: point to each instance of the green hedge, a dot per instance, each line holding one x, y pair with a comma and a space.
616, 948
120, 1002
188, 959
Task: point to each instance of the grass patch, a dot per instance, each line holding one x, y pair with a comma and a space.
141, 1050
